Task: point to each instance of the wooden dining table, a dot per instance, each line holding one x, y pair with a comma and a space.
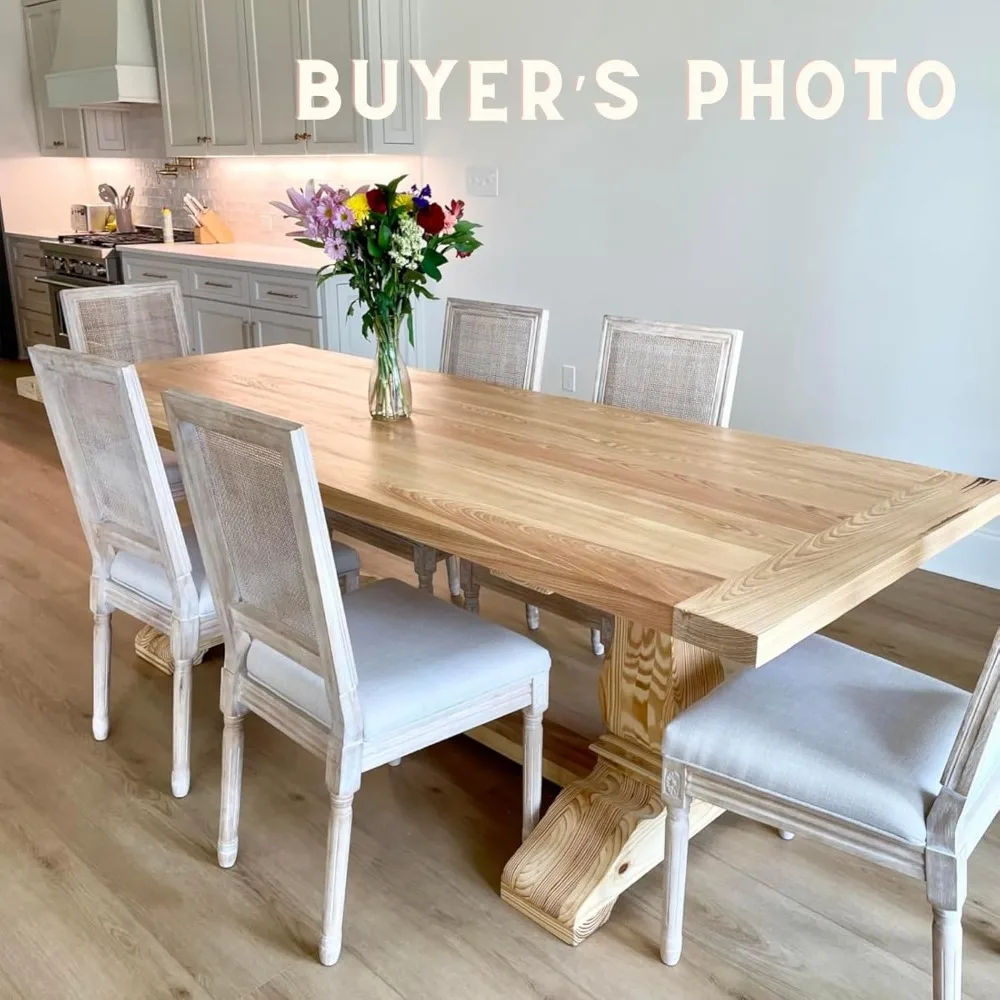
704, 543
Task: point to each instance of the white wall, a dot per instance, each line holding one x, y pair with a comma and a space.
859, 257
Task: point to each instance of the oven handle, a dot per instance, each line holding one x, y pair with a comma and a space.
57, 284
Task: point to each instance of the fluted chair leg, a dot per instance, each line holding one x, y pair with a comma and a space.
532, 617
947, 934
232, 790
674, 881
180, 776
102, 674
337, 851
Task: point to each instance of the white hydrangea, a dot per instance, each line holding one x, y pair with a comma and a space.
407, 249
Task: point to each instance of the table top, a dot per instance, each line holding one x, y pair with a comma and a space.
732, 541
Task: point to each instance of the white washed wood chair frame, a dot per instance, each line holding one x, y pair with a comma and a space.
729, 343
145, 341
346, 750
425, 559
191, 633
962, 813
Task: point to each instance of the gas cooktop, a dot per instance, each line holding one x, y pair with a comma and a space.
143, 234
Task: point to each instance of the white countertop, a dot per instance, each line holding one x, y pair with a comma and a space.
290, 257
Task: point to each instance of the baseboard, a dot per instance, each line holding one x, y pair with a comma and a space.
976, 558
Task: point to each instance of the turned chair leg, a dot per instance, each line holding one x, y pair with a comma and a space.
947, 936
600, 638
180, 776
337, 851
102, 672
532, 773
786, 834
532, 617
232, 787
674, 879
596, 646
470, 587
425, 564
453, 565
396, 762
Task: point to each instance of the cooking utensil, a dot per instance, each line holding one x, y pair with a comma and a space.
129, 195
108, 195
194, 205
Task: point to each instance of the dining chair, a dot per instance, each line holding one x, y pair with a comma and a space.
360, 680
488, 342
865, 755
131, 323
684, 372
144, 562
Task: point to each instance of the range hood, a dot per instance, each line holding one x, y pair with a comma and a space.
104, 55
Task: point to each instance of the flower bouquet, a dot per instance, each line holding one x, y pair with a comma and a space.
391, 243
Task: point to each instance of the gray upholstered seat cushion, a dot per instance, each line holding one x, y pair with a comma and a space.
150, 580
345, 558
836, 729
415, 655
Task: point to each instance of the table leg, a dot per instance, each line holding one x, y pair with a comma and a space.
606, 830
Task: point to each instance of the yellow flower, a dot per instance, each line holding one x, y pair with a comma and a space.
358, 204
404, 201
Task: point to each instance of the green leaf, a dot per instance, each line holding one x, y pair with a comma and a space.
434, 257
308, 242
384, 237
431, 271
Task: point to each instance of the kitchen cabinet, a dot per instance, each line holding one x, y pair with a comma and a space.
60, 132
269, 328
204, 76
228, 74
218, 326
32, 309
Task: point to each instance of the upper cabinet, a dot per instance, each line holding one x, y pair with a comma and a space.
204, 76
60, 133
228, 74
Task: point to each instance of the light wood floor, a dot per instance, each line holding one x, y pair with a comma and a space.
109, 887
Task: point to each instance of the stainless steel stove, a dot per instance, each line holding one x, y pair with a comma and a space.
90, 260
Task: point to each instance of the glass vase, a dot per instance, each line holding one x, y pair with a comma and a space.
389, 394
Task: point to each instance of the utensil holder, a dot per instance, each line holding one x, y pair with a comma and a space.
123, 217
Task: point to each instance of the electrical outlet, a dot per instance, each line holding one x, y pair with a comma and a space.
569, 378
482, 182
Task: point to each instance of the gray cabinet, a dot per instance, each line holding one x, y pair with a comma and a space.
218, 326
204, 76
60, 133
268, 327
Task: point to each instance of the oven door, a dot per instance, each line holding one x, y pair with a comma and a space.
55, 286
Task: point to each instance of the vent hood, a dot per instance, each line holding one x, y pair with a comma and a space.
104, 55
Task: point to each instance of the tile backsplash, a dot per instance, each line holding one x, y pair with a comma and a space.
240, 189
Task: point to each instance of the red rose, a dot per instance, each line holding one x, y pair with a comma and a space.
377, 202
457, 208
431, 219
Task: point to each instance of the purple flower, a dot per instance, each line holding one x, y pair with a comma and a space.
421, 198
335, 247
301, 202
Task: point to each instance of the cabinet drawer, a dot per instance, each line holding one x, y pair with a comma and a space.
298, 295
25, 253
36, 329
218, 285
143, 271
28, 293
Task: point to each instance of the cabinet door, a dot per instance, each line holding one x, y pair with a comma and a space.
283, 328
60, 133
392, 34
219, 326
352, 340
182, 87
274, 43
227, 76
332, 30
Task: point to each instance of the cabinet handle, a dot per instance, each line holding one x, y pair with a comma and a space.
307, 135
281, 295
149, 274
58, 143
246, 333
215, 284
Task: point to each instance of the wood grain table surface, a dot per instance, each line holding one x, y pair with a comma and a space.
703, 542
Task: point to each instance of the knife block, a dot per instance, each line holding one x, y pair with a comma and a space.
213, 229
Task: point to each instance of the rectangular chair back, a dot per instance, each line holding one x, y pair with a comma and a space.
108, 449
500, 344
685, 372
255, 501
127, 322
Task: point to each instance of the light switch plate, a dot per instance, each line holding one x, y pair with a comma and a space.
482, 182
569, 378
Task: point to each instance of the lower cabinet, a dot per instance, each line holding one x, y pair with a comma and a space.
269, 328
218, 326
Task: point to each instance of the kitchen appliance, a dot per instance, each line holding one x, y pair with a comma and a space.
90, 260
78, 220
104, 55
